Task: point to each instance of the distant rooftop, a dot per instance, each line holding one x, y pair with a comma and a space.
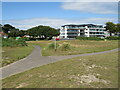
2, 33
81, 25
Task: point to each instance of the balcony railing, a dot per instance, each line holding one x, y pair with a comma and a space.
72, 34
75, 27
96, 34
96, 28
95, 31
82, 32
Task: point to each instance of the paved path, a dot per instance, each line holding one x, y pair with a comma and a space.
35, 59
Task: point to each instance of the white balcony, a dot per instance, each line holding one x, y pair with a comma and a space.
96, 34
96, 31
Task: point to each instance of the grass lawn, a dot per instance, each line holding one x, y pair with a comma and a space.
77, 46
10, 55
81, 72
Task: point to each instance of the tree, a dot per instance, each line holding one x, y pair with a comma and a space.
111, 27
40, 31
21, 33
7, 27
32, 32
118, 27
0, 27
13, 33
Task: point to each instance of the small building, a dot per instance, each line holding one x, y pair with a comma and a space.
3, 35
83, 30
26, 36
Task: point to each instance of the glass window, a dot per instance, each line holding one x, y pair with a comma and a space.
72, 30
62, 30
62, 33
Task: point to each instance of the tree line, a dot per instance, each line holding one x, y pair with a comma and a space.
113, 28
47, 32
40, 31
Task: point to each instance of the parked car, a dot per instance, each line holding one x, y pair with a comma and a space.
57, 39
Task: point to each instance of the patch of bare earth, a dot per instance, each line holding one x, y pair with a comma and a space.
87, 79
21, 85
76, 45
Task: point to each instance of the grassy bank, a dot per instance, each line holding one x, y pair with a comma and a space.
10, 42
12, 54
81, 72
77, 46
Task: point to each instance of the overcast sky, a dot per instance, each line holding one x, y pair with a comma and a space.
24, 15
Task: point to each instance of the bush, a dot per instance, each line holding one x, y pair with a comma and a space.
52, 46
113, 38
32, 39
40, 38
65, 47
89, 38
13, 43
25, 38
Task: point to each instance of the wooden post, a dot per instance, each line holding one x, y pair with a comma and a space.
55, 44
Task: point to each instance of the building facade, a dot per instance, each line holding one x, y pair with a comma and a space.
84, 30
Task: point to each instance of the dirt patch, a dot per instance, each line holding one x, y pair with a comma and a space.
22, 85
87, 79
37, 42
75, 45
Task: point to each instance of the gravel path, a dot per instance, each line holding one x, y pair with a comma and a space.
35, 59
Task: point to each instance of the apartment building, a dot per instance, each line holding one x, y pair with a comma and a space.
84, 30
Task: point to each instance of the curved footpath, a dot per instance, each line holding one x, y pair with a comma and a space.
35, 59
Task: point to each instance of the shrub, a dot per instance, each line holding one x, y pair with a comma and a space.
40, 38
25, 38
52, 46
89, 38
65, 47
32, 39
113, 38
13, 43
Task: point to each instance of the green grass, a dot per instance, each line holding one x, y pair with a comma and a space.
12, 54
69, 74
10, 42
77, 46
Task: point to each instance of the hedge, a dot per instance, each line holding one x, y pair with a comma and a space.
89, 38
113, 38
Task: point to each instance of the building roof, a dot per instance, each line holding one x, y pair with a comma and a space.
81, 25
2, 33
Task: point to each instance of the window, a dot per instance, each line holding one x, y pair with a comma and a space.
62, 33
62, 30
72, 30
